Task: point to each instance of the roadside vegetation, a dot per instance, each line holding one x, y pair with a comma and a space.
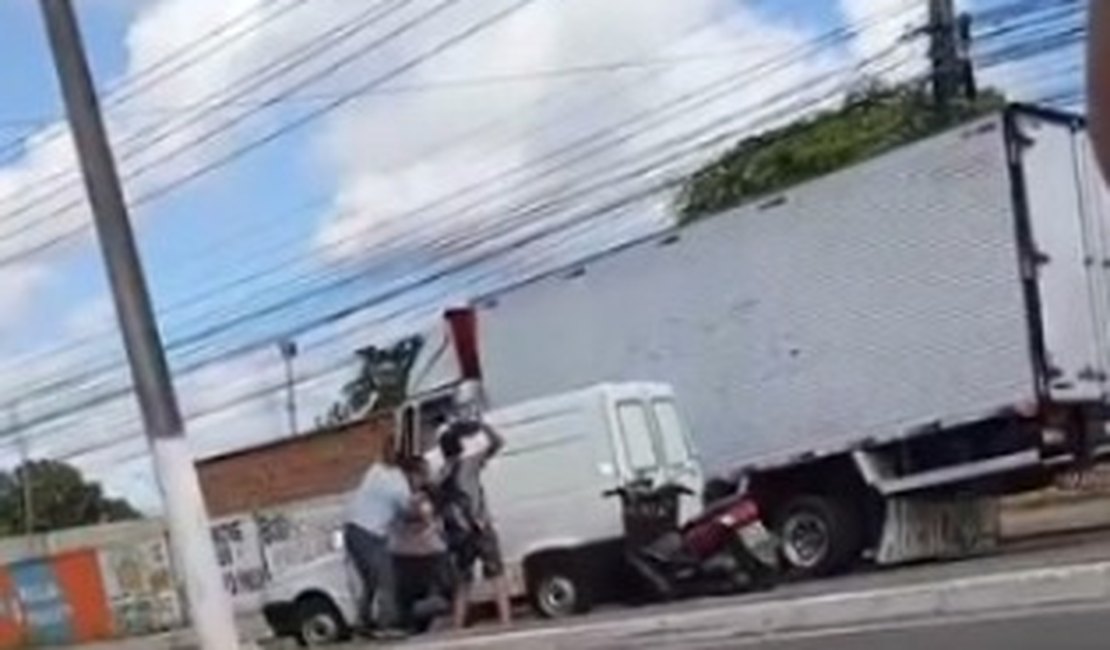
869, 122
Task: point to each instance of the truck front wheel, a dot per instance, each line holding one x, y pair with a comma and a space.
819, 535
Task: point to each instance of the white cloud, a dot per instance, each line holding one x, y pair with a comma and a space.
383, 150
883, 23
92, 318
41, 196
17, 286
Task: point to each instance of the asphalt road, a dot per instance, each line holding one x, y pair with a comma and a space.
1052, 630
1079, 629
1065, 550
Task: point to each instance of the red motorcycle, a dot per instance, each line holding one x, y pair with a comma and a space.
724, 550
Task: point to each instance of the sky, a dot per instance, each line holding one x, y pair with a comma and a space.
336, 171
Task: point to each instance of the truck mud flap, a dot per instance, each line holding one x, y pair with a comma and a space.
920, 529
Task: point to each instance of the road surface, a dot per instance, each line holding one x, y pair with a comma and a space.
1067, 550
1075, 629
1052, 630
1082, 626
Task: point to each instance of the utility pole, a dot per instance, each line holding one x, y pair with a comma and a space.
24, 469
209, 603
950, 53
289, 351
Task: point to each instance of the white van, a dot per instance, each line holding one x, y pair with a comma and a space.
560, 537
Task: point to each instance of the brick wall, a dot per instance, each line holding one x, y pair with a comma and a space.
315, 465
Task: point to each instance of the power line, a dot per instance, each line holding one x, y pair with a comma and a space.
141, 141
496, 126
499, 122
142, 79
589, 139
533, 237
449, 84
346, 313
444, 46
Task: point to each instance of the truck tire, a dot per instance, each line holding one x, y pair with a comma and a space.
820, 536
559, 588
320, 623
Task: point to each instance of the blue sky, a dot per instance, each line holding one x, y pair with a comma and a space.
335, 200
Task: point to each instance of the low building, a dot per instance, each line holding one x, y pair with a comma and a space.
311, 466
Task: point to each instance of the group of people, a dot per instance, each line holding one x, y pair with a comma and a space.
416, 536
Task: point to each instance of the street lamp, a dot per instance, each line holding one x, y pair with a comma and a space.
288, 349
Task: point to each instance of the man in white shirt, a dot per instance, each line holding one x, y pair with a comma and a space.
1098, 90
381, 501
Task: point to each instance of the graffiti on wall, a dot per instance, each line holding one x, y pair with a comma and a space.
140, 587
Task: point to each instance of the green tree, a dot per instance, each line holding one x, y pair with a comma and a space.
872, 120
61, 497
380, 384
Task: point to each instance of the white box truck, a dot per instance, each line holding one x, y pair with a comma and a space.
879, 351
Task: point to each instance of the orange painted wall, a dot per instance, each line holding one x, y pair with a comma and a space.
78, 576
11, 630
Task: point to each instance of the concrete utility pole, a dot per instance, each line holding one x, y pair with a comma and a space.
289, 351
24, 469
949, 51
209, 604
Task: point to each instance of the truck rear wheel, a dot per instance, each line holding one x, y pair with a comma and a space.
819, 535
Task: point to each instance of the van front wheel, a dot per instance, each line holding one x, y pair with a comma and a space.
559, 589
320, 623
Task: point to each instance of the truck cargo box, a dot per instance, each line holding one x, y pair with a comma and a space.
942, 283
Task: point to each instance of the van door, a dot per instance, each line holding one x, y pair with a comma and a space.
682, 465
639, 447
418, 421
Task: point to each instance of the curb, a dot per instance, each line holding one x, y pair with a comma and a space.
963, 597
